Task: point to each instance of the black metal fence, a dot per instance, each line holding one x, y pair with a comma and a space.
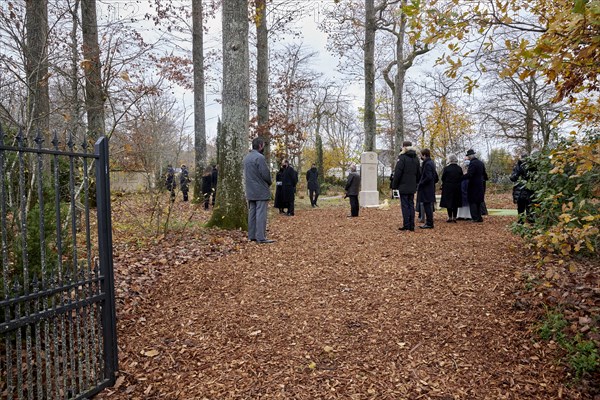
57, 310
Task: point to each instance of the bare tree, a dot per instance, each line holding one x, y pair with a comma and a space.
94, 93
199, 106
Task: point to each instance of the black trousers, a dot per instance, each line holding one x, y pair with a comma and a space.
407, 204
353, 205
313, 195
475, 212
428, 209
452, 212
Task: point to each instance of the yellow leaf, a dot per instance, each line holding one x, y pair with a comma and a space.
151, 353
312, 365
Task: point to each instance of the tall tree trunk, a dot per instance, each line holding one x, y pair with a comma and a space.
94, 93
399, 85
230, 210
319, 148
199, 106
75, 103
262, 75
370, 123
36, 67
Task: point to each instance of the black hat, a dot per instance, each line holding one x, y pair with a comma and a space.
470, 152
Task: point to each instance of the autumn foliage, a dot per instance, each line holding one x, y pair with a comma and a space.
567, 197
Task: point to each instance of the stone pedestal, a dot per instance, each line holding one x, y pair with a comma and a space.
369, 195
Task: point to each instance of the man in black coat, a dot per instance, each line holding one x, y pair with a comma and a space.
184, 182
312, 179
289, 180
406, 176
476, 190
170, 182
522, 195
426, 188
352, 189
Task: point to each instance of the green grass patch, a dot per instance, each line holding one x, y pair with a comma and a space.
581, 355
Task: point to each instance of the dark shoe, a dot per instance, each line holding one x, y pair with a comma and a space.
403, 228
449, 220
252, 240
266, 241
478, 220
426, 227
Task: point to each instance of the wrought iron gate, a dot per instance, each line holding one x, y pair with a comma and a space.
57, 310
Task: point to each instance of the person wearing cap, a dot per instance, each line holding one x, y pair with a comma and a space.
407, 174
476, 188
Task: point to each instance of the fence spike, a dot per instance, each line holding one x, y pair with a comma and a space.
70, 143
55, 141
38, 138
20, 137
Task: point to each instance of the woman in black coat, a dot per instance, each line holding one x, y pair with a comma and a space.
452, 176
426, 188
278, 203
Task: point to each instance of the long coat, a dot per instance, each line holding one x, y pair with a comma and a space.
451, 181
407, 172
476, 175
426, 186
278, 203
312, 177
353, 184
257, 177
519, 175
289, 180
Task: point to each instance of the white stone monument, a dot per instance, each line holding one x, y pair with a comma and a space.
369, 195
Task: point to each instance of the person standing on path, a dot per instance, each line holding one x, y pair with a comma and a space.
170, 182
522, 195
207, 185
426, 187
312, 179
184, 182
476, 190
257, 179
352, 189
289, 180
406, 176
451, 188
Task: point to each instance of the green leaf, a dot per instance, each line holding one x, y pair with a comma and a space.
579, 7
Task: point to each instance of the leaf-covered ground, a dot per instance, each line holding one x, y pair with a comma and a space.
337, 308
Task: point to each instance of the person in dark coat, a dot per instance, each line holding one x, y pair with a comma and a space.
521, 195
289, 180
312, 179
352, 189
476, 190
464, 212
426, 187
170, 181
207, 185
214, 180
184, 182
451, 188
407, 174
278, 203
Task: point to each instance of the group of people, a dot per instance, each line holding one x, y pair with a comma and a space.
209, 183
417, 174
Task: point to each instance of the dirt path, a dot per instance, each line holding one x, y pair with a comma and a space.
342, 308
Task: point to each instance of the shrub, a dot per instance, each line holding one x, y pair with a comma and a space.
566, 185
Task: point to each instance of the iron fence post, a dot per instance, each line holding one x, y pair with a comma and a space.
105, 257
